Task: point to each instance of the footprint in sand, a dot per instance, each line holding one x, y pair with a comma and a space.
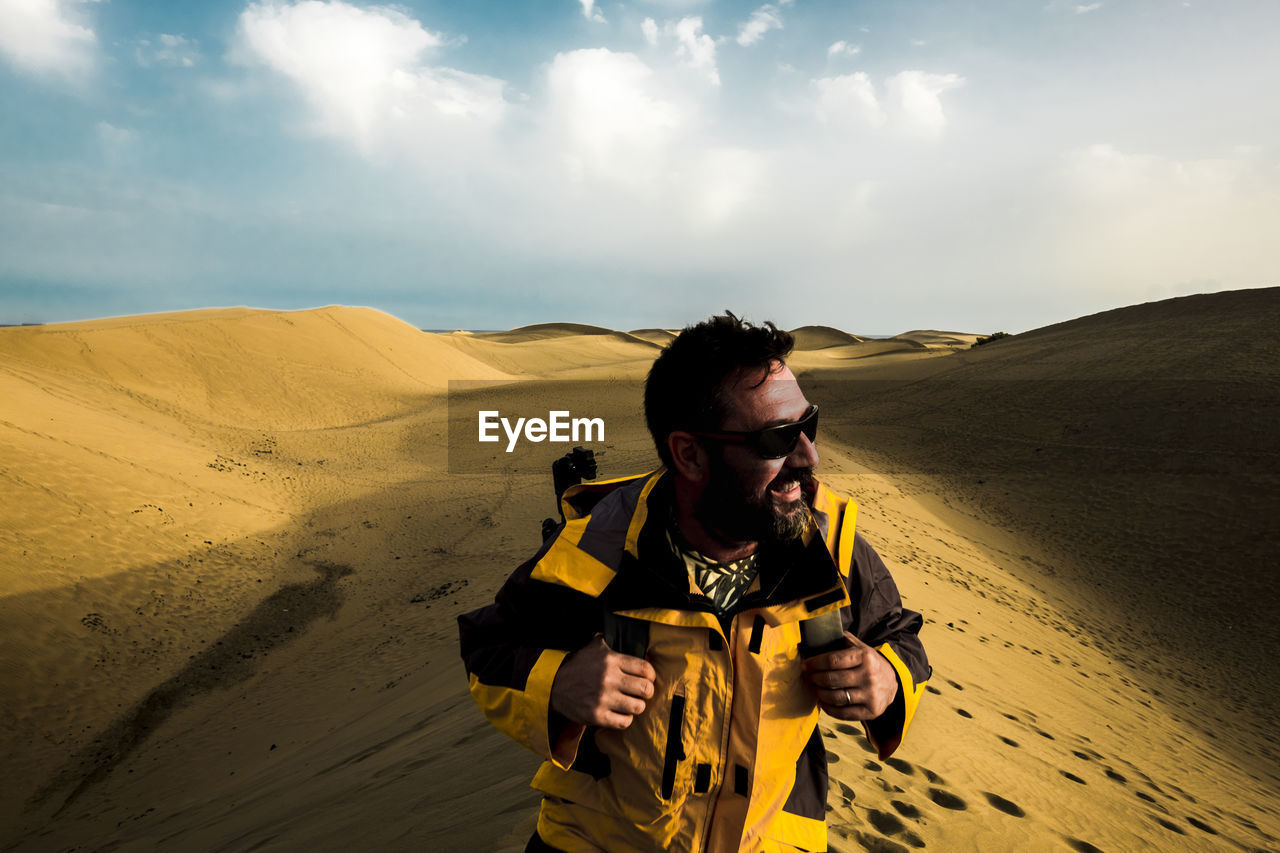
1116, 777
889, 825
876, 844
887, 786
905, 809
1073, 777
935, 691
901, 766
1081, 846
933, 778
999, 802
885, 823
1008, 741
1202, 826
962, 712
947, 800
1143, 795
1172, 827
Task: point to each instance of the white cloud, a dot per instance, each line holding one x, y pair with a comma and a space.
113, 137
167, 49
118, 145
1148, 218
1072, 7
650, 29
767, 17
45, 36
848, 98
1105, 174
918, 94
696, 48
912, 101
609, 117
361, 70
591, 13
727, 180
843, 48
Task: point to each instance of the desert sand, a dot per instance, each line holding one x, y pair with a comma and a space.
233, 547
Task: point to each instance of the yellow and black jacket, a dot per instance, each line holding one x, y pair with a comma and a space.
727, 755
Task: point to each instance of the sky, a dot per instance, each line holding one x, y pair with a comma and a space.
876, 166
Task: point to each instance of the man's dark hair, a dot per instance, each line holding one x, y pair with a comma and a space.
686, 385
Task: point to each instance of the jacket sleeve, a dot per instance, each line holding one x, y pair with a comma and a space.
512, 650
879, 620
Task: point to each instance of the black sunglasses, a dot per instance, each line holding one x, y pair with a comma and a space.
773, 442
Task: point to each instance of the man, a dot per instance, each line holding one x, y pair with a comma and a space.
670, 649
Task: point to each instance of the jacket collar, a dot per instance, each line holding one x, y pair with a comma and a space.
649, 575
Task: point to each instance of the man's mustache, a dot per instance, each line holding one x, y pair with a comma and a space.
803, 476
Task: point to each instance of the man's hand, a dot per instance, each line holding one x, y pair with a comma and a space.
855, 683
596, 686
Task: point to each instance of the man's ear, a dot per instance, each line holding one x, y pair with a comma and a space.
689, 456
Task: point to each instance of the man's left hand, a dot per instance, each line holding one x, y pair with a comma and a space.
854, 683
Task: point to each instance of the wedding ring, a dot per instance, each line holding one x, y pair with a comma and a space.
848, 700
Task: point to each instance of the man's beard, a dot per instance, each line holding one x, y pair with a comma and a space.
731, 514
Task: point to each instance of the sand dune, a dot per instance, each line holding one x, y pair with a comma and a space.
820, 337
234, 554
594, 356
942, 340
880, 351
661, 337
1136, 452
545, 331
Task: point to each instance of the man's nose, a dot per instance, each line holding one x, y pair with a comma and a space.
805, 455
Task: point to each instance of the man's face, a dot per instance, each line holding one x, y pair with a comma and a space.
747, 498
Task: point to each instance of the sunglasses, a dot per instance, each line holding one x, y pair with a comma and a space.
773, 442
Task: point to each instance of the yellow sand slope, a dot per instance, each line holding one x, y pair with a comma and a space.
661, 337
941, 340
821, 337
234, 555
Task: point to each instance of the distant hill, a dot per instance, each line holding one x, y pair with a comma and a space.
547, 331
661, 337
1138, 447
296, 369
821, 337
934, 338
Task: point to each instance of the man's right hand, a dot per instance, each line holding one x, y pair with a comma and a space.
596, 686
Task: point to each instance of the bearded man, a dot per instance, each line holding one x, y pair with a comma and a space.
669, 651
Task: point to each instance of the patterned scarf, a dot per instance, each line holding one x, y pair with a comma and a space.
723, 583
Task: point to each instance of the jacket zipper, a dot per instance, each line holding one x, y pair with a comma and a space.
713, 795
675, 747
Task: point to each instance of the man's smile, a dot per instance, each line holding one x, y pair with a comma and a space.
786, 491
